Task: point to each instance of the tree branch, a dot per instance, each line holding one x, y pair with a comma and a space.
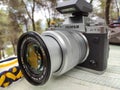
27, 10
91, 1
107, 11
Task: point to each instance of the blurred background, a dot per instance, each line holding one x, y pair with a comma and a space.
19, 16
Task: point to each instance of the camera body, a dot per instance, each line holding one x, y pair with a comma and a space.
77, 42
98, 43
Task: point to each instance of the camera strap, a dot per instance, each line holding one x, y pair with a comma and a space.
9, 72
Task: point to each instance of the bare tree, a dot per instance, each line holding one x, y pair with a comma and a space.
3, 27
1, 47
30, 13
47, 8
13, 31
107, 11
117, 7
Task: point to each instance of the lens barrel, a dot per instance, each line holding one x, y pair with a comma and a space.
53, 52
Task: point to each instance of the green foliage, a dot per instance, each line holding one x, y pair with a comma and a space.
3, 20
100, 9
114, 10
3, 27
9, 51
38, 26
9, 26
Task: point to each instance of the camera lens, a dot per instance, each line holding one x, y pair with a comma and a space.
53, 52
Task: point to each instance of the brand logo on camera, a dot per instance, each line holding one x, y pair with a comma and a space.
72, 26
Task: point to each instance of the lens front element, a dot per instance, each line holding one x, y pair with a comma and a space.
34, 58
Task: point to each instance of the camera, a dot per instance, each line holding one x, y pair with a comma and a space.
74, 43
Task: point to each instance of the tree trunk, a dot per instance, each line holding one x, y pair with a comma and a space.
33, 21
33, 25
0, 55
14, 48
48, 22
107, 11
29, 15
26, 27
117, 8
3, 54
26, 24
91, 1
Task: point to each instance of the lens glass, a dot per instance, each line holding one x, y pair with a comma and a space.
34, 58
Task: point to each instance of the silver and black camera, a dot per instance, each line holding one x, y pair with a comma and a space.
75, 43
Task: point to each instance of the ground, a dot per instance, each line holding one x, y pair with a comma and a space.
77, 79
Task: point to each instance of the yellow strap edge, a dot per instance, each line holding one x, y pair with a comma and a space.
9, 64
